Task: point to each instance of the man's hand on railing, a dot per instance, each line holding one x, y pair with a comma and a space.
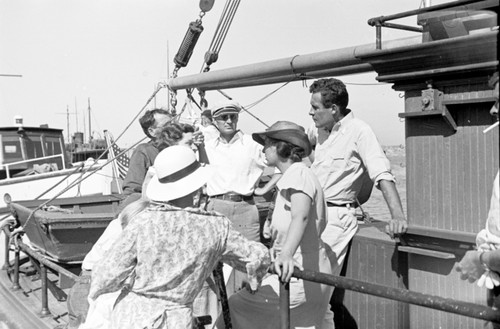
396, 227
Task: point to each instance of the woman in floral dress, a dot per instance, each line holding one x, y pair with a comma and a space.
170, 249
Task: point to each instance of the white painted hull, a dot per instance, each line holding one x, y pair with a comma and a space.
31, 187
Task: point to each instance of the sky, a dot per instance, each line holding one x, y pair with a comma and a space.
114, 53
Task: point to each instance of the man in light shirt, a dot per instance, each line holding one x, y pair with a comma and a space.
347, 157
238, 164
207, 126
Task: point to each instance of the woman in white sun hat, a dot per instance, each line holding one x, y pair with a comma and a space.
170, 249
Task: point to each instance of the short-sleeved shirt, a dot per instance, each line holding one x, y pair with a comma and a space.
237, 166
343, 159
300, 178
142, 158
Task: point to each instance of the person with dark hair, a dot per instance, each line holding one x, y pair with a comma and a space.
153, 120
143, 157
348, 161
207, 126
206, 118
298, 219
170, 249
173, 134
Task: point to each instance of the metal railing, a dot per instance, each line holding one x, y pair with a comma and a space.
381, 21
403, 295
8, 165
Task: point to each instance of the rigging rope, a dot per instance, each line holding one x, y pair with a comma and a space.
79, 180
220, 34
244, 109
91, 168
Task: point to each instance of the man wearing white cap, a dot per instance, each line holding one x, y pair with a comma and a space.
170, 249
238, 163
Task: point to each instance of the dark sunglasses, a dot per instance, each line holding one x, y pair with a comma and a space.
224, 117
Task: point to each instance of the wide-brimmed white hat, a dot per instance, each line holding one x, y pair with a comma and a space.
177, 173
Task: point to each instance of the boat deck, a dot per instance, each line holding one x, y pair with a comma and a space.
23, 306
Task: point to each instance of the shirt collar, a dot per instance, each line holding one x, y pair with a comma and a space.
343, 122
236, 137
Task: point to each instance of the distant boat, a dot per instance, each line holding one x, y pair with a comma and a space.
81, 151
34, 164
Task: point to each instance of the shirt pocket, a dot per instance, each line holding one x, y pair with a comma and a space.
338, 161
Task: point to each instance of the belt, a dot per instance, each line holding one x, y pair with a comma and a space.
232, 197
351, 204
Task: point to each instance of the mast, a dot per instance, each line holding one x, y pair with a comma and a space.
67, 122
168, 76
76, 115
90, 123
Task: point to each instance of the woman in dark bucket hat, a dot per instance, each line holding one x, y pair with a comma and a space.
288, 132
298, 220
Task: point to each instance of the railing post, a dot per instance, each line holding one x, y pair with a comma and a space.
219, 281
378, 29
6, 265
15, 283
284, 305
45, 302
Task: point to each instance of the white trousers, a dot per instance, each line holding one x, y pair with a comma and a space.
340, 229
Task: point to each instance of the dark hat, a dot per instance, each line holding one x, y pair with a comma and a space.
207, 113
285, 131
225, 107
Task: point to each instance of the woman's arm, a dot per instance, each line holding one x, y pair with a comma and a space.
473, 264
247, 256
300, 206
269, 185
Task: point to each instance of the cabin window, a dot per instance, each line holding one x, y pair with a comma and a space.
11, 149
52, 146
33, 147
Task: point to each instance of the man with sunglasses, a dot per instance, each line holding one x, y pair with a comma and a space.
238, 164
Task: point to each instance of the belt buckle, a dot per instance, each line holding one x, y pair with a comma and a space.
235, 197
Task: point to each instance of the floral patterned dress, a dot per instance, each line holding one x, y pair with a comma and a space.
170, 252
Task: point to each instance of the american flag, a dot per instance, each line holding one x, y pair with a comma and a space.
122, 162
